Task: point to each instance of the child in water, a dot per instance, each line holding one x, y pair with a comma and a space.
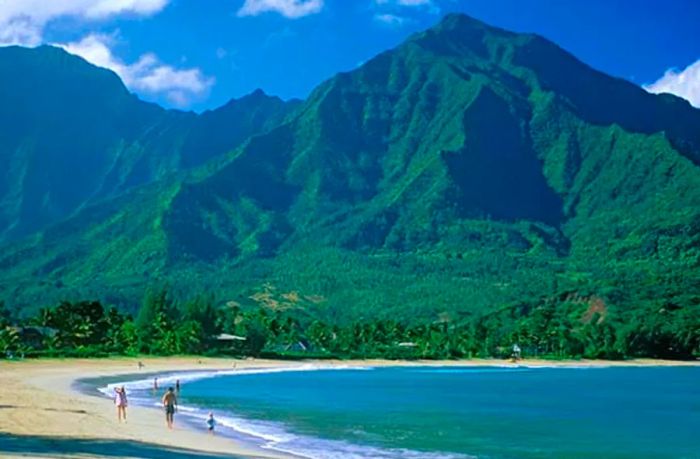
211, 423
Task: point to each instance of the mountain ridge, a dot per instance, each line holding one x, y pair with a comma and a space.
471, 166
75, 134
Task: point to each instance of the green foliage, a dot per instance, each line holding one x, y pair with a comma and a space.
78, 324
415, 199
128, 338
155, 323
5, 315
9, 340
567, 326
201, 311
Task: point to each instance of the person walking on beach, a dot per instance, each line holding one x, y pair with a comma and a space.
170, 405
211, 423
516, 354
121, 401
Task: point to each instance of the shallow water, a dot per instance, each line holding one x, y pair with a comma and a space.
426, 412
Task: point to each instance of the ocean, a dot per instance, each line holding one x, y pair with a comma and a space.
319, 411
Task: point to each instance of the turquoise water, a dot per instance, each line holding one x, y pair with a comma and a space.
460, 412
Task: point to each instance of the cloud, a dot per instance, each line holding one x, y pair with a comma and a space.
22, 22
147, 75
685, 84
390, 19
291, 9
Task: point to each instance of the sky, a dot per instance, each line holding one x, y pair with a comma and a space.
198, 54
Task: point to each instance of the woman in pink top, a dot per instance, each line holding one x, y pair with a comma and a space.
121, 402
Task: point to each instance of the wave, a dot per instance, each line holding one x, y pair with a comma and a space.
167, 379
270, 435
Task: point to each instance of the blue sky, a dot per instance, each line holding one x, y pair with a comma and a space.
197, 54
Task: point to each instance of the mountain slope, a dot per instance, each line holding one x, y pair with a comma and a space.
72, 134
468, 169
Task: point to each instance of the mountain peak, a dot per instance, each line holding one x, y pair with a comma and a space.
46, 50
258, 93
45, 55
462, 23
47, 63
256, 97
460, 35
459, 20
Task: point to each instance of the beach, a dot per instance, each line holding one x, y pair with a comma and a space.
42, 413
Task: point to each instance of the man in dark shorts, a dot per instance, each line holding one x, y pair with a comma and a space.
170, 405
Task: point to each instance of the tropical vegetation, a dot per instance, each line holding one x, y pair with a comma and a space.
468, 189
567, 327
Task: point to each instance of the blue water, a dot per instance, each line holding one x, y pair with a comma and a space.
492, 412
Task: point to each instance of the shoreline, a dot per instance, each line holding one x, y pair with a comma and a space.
44, 411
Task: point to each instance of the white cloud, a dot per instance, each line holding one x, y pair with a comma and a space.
390, 19
19, 31
291, 9
147, 74
22, 22
105, 8
685, 84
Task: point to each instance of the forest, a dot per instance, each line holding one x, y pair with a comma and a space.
566, 327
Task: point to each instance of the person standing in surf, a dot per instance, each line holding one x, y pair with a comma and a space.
211, 423
170, 405
121, 401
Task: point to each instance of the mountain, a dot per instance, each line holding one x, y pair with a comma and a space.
469, 169
72, 134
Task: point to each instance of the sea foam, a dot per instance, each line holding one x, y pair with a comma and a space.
268, 434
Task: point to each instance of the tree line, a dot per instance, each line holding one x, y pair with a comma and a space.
564, 328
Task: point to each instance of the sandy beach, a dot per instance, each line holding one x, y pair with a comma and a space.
43, 415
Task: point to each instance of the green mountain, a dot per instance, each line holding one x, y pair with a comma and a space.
71, 134
469, 169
